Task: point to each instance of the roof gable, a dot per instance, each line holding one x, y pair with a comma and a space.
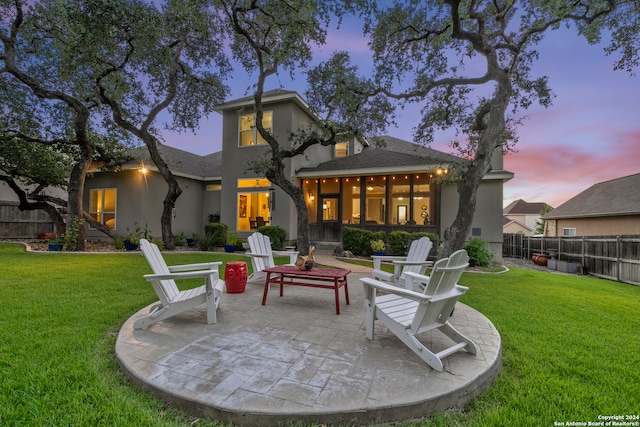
520, 207
610, 198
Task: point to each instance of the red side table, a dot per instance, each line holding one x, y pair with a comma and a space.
235, 277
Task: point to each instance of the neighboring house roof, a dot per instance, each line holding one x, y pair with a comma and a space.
520, 207
397, 155
182, 163
610, 198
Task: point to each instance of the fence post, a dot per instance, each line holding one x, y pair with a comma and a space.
618, 262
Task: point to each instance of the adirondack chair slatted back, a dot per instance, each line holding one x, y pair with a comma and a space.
418, 251
168, 290
261, 244
442, 288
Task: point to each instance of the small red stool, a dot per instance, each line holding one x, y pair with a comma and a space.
235, 277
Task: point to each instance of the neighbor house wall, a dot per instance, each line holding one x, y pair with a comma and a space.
601, 226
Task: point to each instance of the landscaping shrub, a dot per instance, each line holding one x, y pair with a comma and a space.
358, 241
206, 242
276, 234
478, 250
399, 242
217, 233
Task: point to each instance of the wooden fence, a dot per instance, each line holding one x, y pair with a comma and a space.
610, 257
17, 224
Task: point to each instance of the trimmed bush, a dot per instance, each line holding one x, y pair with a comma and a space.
276, 234
478, 250
358, 241
216, 233
399, 242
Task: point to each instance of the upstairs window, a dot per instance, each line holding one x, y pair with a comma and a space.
341, 149
248, 132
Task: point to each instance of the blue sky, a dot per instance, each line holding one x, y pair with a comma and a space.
590, 134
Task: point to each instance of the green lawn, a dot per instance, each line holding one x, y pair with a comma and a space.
571, 349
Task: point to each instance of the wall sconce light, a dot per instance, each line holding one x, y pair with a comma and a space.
311, 196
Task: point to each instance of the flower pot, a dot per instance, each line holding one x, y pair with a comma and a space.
229, 248
379, 253
130, 246
191, 242
55, 246
473, 262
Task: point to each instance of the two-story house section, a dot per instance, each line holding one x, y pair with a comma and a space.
352, 184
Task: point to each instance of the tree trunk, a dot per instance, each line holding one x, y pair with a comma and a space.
456, 235
76, 192
173, 192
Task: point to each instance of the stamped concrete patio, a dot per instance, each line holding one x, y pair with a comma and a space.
294, 361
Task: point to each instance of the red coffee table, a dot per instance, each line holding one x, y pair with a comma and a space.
315, 278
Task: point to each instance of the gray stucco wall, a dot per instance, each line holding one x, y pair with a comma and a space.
140, 202
487, 219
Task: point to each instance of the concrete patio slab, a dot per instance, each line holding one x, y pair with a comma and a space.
294, 360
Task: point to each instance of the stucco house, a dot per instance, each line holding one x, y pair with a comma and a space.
604, 209
352, 184
522, 217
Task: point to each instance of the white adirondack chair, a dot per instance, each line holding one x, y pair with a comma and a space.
172, 300
407, 313
414, 262
261, 256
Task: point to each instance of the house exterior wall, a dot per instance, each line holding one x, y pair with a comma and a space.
528, 220
139, 202
487, 219
515, 227
287, 116
597, 226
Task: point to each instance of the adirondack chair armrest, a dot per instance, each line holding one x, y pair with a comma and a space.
293, 255
427, 263
252, 255
182, 275
407, 293
377, 259
413, 280
453, 293
199, 266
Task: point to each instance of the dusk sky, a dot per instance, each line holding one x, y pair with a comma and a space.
590, 134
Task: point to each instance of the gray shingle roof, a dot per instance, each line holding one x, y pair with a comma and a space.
610, 198
397, 153
182, 162
520, 207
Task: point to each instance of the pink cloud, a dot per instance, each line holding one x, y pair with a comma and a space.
555, 174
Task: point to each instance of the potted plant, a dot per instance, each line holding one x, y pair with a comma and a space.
378, 247
55, 244
230, 244
479, 253
132, 241
192, 241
